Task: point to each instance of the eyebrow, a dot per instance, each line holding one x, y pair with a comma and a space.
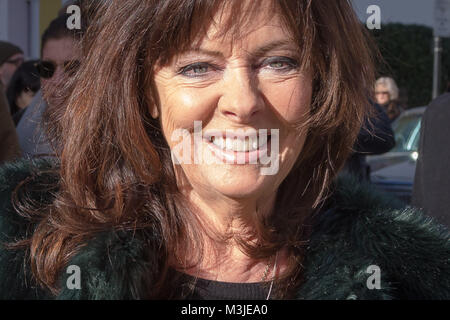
279, 44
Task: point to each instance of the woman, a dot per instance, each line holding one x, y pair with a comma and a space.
23, 86
386, 95
152, 198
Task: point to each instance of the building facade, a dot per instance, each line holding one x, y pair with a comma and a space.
22, 22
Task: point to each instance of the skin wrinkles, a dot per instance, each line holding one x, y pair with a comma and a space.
239, 91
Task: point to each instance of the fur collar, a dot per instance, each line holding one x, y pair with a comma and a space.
362, 231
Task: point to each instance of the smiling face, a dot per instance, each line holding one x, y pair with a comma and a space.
235, 86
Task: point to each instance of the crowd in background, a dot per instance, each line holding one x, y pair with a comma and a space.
28, 87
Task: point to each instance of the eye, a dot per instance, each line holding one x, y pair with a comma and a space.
196, 69
280, 63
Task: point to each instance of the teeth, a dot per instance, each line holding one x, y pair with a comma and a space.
229, 144
255, 143
237, 145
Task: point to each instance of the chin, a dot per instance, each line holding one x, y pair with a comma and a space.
239, 182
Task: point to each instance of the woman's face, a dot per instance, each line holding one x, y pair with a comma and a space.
381, 94
235, 88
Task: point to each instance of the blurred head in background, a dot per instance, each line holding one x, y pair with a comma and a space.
23, 86
60, 56
387, 96
11, 57
386, 90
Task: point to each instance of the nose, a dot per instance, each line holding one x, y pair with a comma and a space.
241, 98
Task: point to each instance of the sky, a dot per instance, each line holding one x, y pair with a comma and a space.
403, 11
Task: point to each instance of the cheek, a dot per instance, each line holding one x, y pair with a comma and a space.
180, 107
290, 99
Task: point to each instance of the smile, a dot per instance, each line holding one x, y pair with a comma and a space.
245, 144
237, 147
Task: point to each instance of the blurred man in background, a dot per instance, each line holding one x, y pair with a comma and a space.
60, 55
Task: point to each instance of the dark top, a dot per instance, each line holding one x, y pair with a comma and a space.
203, 289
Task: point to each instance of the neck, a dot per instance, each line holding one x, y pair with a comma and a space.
228, 217
223, 221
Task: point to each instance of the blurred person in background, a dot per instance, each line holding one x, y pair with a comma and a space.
60, 54
22, 88
431, 188
11, 57
386, 95
9, 144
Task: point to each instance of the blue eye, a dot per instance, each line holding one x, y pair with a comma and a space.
280, 63
195, 69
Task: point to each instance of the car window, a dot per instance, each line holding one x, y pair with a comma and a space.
407, 133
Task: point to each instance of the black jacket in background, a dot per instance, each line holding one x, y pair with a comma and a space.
431, 189
375, 137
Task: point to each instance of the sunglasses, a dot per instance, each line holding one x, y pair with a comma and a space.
46, 69
382, 92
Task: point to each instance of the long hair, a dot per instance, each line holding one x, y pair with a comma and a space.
115, 165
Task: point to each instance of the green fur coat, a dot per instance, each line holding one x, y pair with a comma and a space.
364, 247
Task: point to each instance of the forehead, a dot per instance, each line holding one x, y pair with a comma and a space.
265, 27
60, 50
252, 24
219, 25
381, 86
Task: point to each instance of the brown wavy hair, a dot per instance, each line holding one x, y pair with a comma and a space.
115, 167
